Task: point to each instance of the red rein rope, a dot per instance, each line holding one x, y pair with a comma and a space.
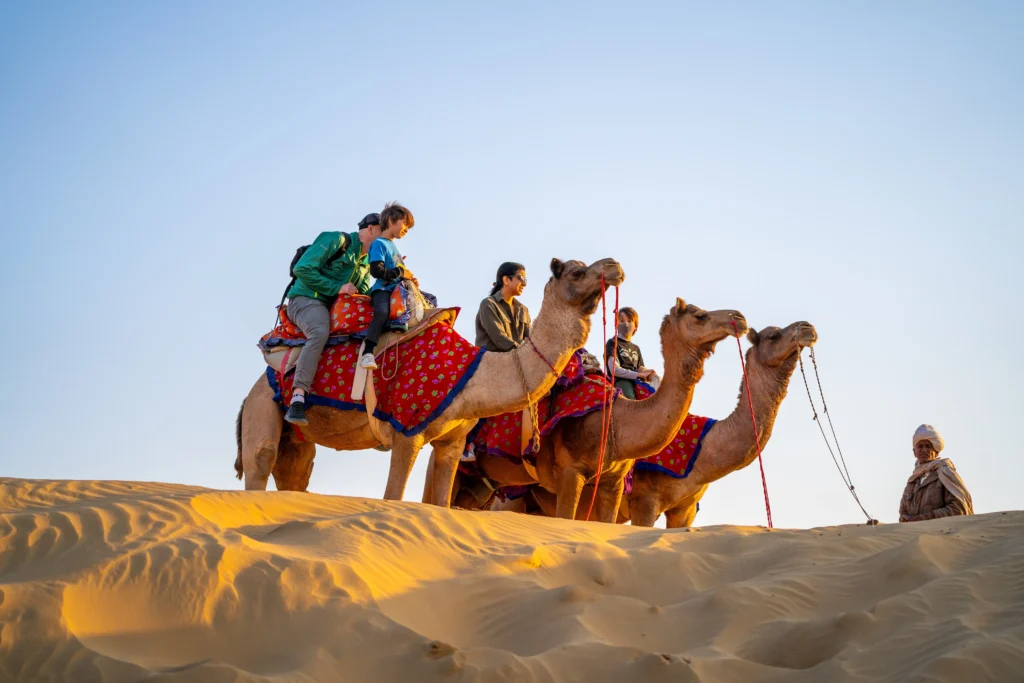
609, 390
753, 421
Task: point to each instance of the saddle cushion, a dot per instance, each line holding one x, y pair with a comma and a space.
575, 394
678, 458
335, 373
351, 315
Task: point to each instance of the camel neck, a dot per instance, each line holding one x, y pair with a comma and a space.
648, 427
731, 445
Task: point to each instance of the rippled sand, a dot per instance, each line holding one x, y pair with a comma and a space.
115, 581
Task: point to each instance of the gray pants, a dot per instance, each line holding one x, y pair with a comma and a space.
314, 319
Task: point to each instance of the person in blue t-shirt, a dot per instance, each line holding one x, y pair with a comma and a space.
387, 267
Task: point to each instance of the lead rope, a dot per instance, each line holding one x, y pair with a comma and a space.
847, 480
609, 390
753, 421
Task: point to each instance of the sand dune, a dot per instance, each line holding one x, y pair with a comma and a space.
113, 581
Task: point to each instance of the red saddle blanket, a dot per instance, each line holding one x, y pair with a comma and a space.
332, 385
502, 434
678, 458
416, 380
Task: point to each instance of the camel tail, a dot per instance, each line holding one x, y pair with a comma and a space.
239, 471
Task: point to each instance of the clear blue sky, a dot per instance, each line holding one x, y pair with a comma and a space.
856, 165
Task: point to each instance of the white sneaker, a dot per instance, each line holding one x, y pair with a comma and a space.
368, 362
468, 455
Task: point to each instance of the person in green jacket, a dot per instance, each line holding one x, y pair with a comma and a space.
336, 263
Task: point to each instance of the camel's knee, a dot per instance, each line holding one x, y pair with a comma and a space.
643, 514
258, 463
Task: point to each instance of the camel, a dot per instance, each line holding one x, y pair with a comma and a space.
639, 428
503, 382
728, 446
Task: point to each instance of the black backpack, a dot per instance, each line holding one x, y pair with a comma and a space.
302, 250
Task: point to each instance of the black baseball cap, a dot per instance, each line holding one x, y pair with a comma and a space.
369, 219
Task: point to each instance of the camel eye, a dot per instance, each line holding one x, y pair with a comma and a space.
775, 336
702, 317
577, 275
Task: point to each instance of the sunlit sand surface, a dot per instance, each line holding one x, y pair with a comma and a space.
117, 581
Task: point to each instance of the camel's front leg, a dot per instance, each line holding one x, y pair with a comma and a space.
404, 450
294, 465
569, 489
428, 482
643, 511
445, 460
609, 496
681, 518
685, 512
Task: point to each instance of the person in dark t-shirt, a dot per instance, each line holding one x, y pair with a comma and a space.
626, 362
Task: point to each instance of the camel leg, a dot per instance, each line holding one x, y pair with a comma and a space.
294, 465
609, 496
643, 511
545, 500
569, 490
680, 518
428, 482
404, 450
259, 434
683, 514
447, 452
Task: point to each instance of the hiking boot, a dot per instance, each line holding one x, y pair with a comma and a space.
368, 362
297, 414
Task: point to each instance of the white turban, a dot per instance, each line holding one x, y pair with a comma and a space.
929, 433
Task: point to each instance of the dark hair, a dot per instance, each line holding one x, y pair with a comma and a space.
632, 315
506, 269
395, 213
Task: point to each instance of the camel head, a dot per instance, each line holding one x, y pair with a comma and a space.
579, 285
692, 327
775, 347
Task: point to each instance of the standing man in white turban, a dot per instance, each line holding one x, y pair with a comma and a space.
934, 489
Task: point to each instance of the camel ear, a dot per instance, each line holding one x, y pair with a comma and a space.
753, 337
680, 308
556, 268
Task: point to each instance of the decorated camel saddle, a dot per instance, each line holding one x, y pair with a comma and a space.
678, 458
579, 390
423, 365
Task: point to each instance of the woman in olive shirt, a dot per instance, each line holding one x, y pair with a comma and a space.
502, 323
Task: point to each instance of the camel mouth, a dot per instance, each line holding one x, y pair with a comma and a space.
616, 278
708, 347
808, 338
738, 326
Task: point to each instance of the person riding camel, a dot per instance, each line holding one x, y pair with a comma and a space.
625, 362
503, 322
387, 266
337, 263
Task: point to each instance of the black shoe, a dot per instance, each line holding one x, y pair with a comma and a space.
297, 414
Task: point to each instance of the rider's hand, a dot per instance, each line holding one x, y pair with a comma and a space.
347, 288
